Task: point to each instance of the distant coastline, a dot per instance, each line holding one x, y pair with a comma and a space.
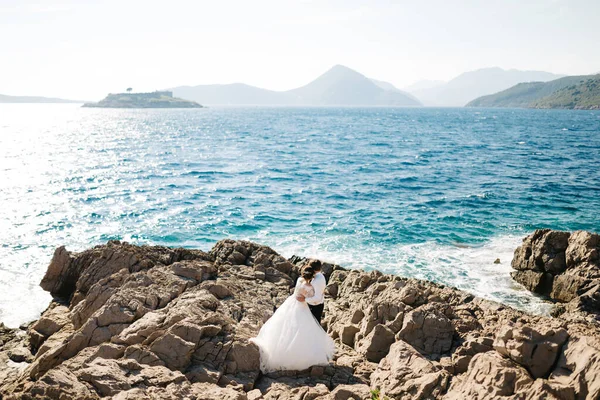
571, 92
341, 86
158, 99
6, 99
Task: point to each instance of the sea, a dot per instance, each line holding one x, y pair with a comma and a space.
429, 193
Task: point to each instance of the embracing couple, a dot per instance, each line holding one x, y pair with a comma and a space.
293, 339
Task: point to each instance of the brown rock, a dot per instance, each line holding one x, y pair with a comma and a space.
428, 329
535, 281
578, 367
543, 251
376, 344
53, 319
490, 377
59, 279
246, 356
583, 248
404, 373
106, 377
20, 354
537, 351
174, 351
348, 333
563, 266
254, 394
463, 355
351, 392
207, 391
567, 287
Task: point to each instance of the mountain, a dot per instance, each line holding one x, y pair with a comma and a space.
33, 99
523, 94
584, 96
344, 86
471, 85
340, 86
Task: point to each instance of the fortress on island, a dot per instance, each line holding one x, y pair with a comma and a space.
158, 99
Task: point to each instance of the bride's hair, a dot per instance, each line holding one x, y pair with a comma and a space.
308, 274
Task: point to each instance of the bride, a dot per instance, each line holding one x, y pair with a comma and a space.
292, 339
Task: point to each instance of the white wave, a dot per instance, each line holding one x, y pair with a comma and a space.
469, 268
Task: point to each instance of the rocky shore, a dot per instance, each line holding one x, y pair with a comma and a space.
141, 322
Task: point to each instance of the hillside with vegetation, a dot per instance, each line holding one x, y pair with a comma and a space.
583, 96
542, 94
474, 84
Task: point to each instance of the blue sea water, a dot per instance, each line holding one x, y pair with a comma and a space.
437, 194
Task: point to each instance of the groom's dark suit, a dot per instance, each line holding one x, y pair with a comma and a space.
315, 303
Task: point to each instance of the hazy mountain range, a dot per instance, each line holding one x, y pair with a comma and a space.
33, 99
340, 86
471, 85
581, 92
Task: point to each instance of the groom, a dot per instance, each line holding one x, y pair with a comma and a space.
315, 303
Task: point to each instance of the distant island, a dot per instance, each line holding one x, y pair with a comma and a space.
340, 86
158, 99
571, 92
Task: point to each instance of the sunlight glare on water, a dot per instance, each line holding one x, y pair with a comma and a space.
436, 194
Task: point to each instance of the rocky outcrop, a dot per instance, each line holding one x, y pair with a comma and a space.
139, 322
563, 266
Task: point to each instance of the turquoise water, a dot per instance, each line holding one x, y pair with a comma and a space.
429, 193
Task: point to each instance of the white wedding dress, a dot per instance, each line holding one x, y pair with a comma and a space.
292, 339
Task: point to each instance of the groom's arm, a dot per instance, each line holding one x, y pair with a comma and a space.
319, 286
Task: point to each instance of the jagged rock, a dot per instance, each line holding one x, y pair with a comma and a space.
348, 334
583, 248
535, 281
490, 376
376, 344
561, 265
60, 279
283, 391
578, 367
205, 391
544, 390
20, 354
254, 394
536, 351
462, 355
52, 321
405, 373
351, 392
544, 250
428, 329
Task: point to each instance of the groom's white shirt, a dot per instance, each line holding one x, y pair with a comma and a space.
318, 283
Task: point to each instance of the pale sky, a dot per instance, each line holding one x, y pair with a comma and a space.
85, 49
